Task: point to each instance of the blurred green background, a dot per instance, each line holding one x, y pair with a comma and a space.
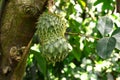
95, 54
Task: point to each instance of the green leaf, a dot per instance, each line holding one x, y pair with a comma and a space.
82, 3
70, 10
116, 35
105, 25
76, 47
105, 46
76, 53
41, 61
74, 25
106, 4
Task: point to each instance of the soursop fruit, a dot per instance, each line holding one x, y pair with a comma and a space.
50, 30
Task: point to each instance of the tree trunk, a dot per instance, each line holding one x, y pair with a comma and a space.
17, 28
118, 5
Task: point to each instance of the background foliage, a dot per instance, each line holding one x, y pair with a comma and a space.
94, 33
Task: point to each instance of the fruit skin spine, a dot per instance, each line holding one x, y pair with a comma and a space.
56, 51
50, 27
50, 30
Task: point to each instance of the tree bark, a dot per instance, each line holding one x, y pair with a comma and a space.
118, 5
17, 28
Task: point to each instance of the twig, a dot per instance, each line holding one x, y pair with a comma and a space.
82, 35
19, 71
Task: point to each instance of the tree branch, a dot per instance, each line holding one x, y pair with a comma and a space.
18, 24
118, 5
82, 35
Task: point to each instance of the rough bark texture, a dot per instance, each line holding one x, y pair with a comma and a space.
17, 28
118, 5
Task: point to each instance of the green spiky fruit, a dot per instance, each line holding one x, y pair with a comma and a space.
51, 29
